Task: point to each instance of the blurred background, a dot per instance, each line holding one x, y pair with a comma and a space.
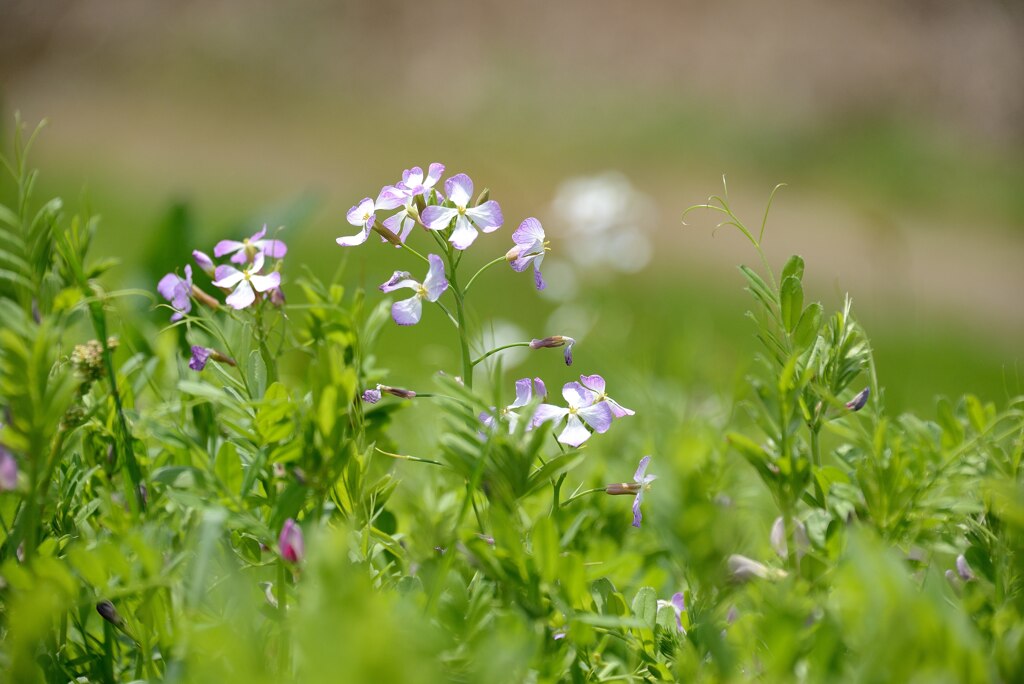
898, 127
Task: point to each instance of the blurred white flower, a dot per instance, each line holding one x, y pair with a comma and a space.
606, 219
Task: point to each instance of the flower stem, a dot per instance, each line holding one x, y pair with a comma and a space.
498, 349
482, 269
579, 495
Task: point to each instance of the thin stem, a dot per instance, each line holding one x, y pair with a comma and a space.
579, 495
498, 349
406, 457
423, 258
482, 269
460, 315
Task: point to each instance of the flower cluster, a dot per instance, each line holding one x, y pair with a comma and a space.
243, 279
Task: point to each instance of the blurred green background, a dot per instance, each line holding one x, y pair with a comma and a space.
898, 127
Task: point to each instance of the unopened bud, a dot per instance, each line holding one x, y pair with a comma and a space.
372, 396
622, 488
858, 401
963, 569
204, 298
387, 234
484, 195
109, 613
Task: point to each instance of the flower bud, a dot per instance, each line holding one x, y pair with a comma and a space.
744, 569
204, 262
484, 195
622, 488
858, 401
109, 613
291, 544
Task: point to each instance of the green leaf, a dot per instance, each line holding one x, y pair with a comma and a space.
794, 267
808, 325
228, 466
256, 372
645, 606
792, 295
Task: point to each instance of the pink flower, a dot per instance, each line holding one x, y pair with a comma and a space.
292, 547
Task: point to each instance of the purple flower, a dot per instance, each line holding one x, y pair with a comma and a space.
204, 261
415, 183
525, 389
964, 569
487, 217
364, 214
8, 471
293, 549
556, 341
246, 250
246, 282
200, 355
582, 409
529, 248
372, 396
178, 291
678, 605
409, 311
596, 384
858, 401
641, 483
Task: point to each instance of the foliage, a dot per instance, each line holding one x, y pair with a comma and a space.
149, 532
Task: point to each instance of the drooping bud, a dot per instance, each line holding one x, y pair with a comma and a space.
556, 341
372, 396
859, 400
622, 488
200, 356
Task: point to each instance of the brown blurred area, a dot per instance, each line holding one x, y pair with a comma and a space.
960, 64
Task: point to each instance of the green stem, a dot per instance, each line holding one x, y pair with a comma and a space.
498, 349
580, 495
460, 315
261, 336
282, 607
482, 269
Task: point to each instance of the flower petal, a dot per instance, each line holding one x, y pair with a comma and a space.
574, 433
598, 416
390, 197
168, 285
618, 410
487, 216
242, 297
438, 218
529, 232
637, 517
539, 390
353, 240
227, 277
576, 396
546, 412
638, 476
408, 311
434, 174
538, 279
226, 247
594, 383
435, 283
459, 189
524, 392
275, 249
400, 224
464, 233
398, 281
262, 283
356, 215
